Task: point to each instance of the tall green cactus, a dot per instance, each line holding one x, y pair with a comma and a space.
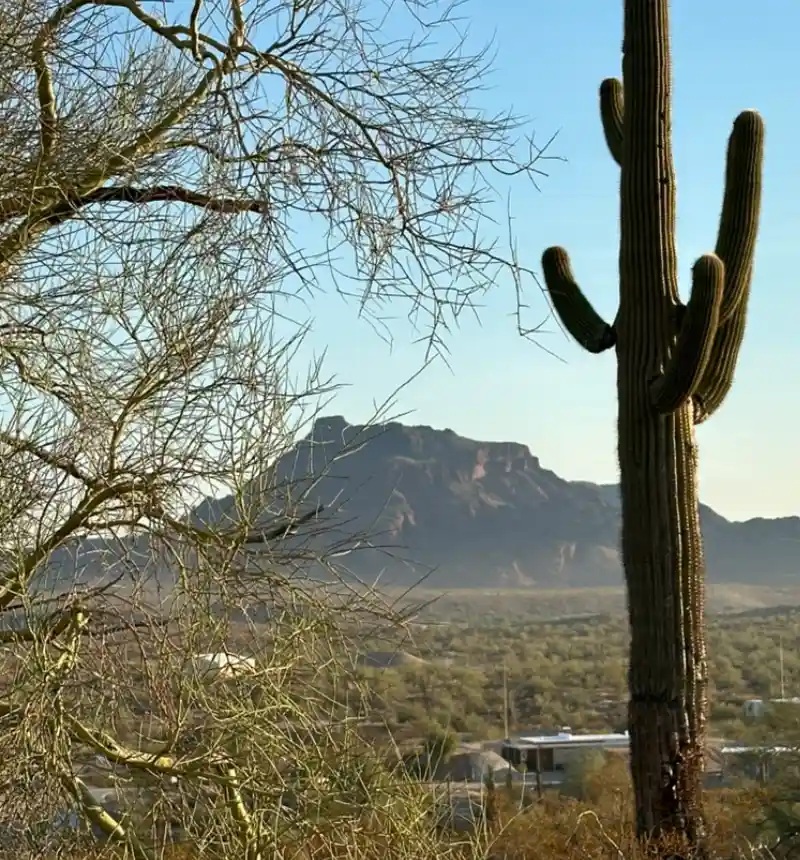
675, 365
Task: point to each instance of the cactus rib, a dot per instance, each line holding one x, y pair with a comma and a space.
687, 364
574, 310
612, 113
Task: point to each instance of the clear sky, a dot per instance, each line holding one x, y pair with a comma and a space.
727, 55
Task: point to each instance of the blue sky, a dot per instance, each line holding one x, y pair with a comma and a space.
727, 55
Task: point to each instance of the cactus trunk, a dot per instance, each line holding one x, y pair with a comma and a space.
662, 549
675, 364
663, 559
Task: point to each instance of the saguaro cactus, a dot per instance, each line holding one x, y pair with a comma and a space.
675, 365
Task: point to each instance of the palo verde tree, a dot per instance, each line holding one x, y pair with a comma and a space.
176, 180
675, 365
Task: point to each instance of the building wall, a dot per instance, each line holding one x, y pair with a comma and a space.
556, 763
564, 758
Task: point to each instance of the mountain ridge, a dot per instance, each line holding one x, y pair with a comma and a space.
472, 513
430, 505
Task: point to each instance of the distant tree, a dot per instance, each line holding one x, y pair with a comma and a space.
439, 746
582, 772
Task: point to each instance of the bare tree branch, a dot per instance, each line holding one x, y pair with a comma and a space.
176, 188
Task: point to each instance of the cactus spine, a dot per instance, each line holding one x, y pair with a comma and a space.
675, 365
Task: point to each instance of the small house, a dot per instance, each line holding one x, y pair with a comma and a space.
549, 756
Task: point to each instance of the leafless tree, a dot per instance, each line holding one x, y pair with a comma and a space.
176, 182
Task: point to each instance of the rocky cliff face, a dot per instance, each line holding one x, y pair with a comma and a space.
488, 514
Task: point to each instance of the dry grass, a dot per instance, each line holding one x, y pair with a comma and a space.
574, 830
598, 827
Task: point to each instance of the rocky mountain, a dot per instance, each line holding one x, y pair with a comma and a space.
468, 513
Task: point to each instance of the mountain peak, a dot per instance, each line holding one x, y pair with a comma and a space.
420, 441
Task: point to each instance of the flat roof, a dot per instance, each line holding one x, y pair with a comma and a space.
737, 750
608, 739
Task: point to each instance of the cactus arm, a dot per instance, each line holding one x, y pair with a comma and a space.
687, 364
612, 112
736, 248
721, 367
574, 310
738, 226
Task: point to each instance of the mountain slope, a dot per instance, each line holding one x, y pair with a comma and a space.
487, 514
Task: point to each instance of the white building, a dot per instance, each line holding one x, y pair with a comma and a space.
220, 665
550, 755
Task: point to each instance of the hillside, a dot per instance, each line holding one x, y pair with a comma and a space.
488, 514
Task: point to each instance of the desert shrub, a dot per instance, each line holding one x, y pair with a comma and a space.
581, 778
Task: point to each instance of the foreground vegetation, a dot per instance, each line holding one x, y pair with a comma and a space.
178, 185
593, 821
